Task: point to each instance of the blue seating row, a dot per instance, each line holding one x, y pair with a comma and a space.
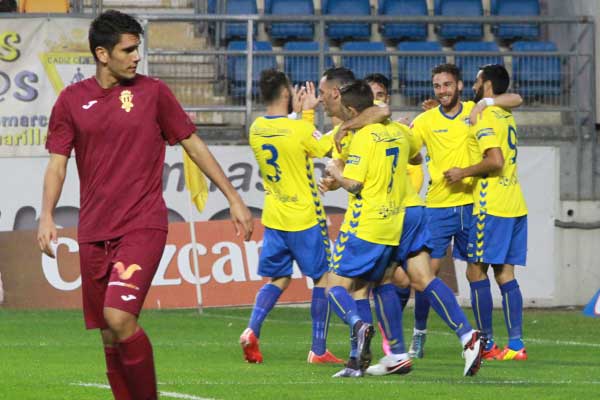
532, 75
393, 31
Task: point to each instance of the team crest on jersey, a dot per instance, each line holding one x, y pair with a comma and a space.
317, 135
126, 98
467, 121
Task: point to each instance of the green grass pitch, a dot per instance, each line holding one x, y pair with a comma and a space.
48, 355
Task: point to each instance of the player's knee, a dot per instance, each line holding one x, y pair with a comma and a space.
475, 273
281, 282
503, 275
121, 323
400, 279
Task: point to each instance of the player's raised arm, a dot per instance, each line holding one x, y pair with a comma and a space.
201, 155
56, 171
508, 101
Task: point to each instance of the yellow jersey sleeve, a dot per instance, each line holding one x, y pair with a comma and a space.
314, 142
346, 140
485, 134
357, 161
309, 116
416, 175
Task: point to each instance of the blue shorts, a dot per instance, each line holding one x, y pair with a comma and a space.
447, 223
498, 240
357, 258
308, 247
415, 235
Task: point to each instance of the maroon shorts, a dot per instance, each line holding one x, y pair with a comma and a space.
118, 273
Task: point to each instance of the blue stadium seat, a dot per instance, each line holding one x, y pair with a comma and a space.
364, 65
236, 67
303, 68
414, 72
211, 6
459, 8
287, 30
239, 7
339, 31
469, 65
516, 8
536, 75
403, 8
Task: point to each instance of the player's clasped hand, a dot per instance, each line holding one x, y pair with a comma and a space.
46, 236
454, 175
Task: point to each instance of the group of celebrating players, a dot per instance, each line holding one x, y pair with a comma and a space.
391, 240
117, 122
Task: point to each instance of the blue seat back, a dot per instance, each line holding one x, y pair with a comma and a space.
517, 8
304, 68
403, 8
460, 8
469, 65
536, 75
281, 30
236, 66
239, 7
364, 65
339, 31
414, 72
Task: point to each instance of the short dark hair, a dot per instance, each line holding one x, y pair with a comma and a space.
271, 82
106, 30
498, 75
341, 75
357, 95
380, 79
448, 68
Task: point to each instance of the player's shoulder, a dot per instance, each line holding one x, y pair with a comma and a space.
371, 129
467, 106
75, 89
425, 117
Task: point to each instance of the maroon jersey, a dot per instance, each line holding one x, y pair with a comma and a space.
119, 139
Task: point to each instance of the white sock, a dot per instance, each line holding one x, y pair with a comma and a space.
415, 331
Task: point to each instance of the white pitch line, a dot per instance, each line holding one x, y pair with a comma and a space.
173, 395
409, 382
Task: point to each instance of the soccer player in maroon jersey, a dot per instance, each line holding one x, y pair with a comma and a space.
117, 122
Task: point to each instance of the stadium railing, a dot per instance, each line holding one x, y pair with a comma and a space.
560, 109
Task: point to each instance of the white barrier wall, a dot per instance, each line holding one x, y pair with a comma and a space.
21, 187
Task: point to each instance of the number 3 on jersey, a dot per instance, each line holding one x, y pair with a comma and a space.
272, 161
392, 151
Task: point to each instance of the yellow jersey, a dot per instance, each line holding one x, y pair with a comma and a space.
284, 149
446, 140
415, 177
498, 193
377, 157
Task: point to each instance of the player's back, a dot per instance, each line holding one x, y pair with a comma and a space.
377, 157
499, 193
284, 149
446, 140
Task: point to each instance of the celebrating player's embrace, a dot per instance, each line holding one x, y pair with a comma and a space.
388, 238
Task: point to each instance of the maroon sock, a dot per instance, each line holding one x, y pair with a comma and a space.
116, 374
138, 364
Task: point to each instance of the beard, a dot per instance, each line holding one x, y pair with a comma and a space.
453, 101
478, 94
